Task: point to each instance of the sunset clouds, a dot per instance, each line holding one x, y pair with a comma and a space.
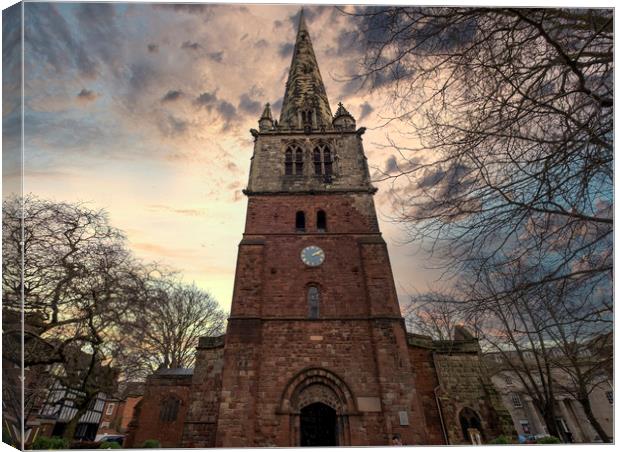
144, 110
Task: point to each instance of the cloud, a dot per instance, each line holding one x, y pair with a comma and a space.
216, 56
190, 45
249, 105
232, 167
286, 49
365, 110
87, 95
277, 105
193, 8
99, 32
50, 40
391, 166
227, 110
172, 95
171, 126
153, 48
143, 74
206, 100
186, 212
159, 250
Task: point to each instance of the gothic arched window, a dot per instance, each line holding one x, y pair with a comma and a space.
299, 162
327, 161
169, 409
321, 221
317, 161
322, 159
313, 302
300, 221
288, 162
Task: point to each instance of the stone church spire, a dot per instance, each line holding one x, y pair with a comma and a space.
305, 104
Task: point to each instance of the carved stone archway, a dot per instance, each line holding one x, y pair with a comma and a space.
316, 385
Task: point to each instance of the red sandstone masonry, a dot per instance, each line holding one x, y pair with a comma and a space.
148, 424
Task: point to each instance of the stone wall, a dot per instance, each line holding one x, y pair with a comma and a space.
421, 356
201, 420
350, 168
465, 384
147, 422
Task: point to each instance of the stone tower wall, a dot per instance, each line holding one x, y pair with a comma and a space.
267, 174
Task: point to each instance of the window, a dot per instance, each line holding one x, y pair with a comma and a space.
306, 118
299, 162
327, 161
288, 162
610, 397
322, 158
169, 409
516, 400
321, 221
313, 302
508, 379
110, 409
300, 221
525, 426
317, 162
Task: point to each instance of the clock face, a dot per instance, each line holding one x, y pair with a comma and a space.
312, 256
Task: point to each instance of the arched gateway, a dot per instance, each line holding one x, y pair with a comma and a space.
318, 404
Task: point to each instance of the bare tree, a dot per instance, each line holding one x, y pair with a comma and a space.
555, 339
509, 112
505, 169
433, 314
78, 280
165, 332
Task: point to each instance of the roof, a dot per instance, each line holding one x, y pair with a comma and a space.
304, 87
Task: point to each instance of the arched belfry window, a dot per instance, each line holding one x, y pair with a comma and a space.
317, 161
321, 221
322, 159
169, 409
288, 162
294, 160
327, 161
299, 162
313, 302
300, 221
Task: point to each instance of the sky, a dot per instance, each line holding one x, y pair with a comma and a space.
144, 110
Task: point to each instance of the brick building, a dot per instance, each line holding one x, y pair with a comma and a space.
119, 410
316, 351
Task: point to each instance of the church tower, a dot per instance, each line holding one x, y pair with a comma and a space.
316, 351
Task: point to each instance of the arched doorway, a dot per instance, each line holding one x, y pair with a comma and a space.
318, 405
469, 419
317, 425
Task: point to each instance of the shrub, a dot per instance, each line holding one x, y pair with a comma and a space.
151, 444
548, 440
83, 444
501, 439
110, 445
55, 442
